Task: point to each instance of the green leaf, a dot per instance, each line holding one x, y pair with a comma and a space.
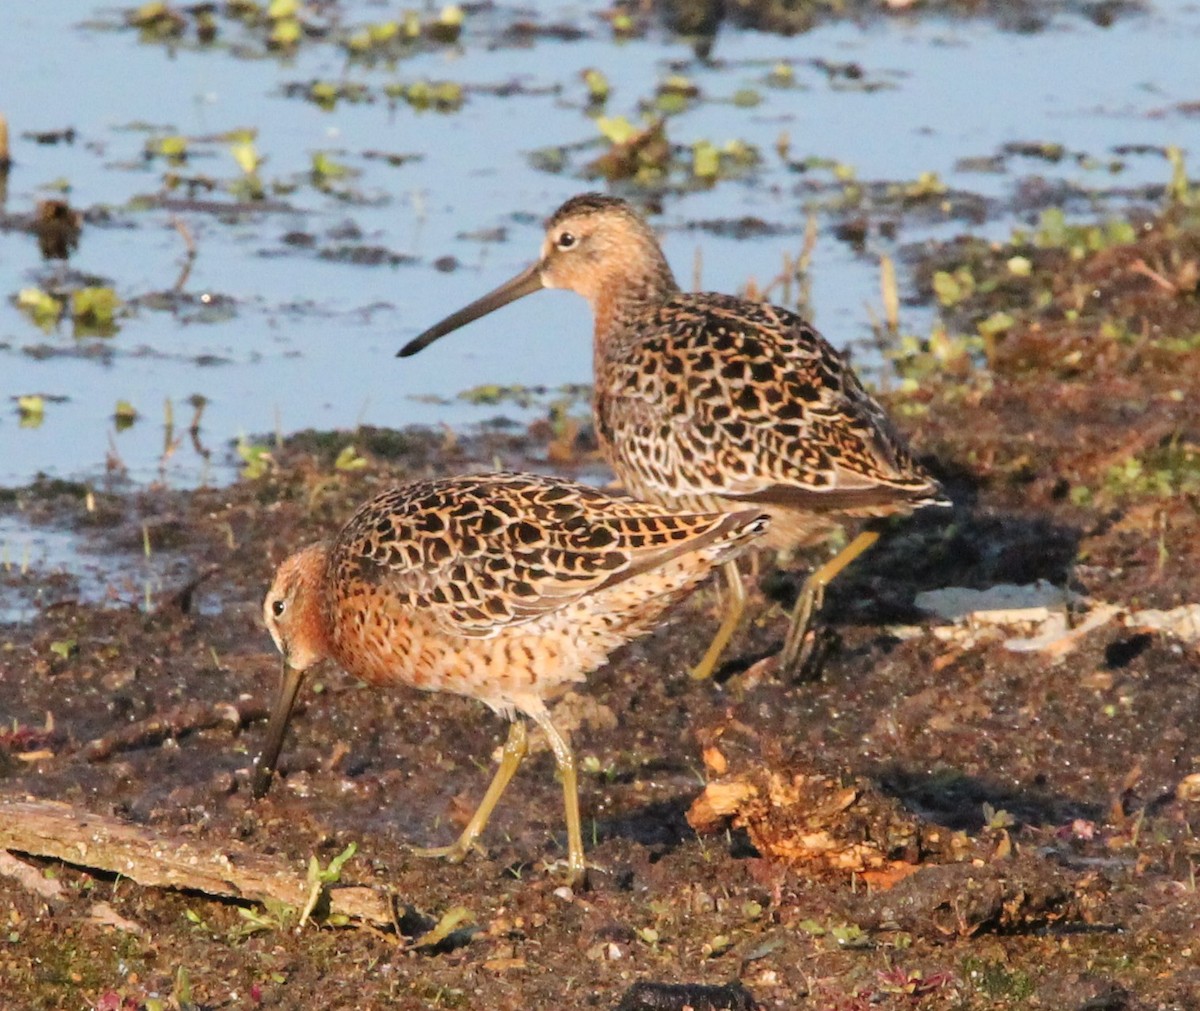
323, 93
94, 305
782, 75
996, 323
66, 648
348, 459
173, 148
286, 33
246, 156
1178, 189
40, 306
124, 415
31, 408
445, 927
324, 167
597, 85
706, 160
616, 129
257, 458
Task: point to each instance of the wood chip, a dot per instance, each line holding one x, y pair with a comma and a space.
158, 859
29, 877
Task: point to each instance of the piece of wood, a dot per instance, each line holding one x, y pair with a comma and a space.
156, 859
189, 718
821, 822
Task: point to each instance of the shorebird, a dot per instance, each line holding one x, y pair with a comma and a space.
506, 588
706, 401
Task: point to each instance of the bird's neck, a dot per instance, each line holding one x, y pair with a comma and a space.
625, 300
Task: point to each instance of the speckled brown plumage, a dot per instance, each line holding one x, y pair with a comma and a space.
502, 587
711, 402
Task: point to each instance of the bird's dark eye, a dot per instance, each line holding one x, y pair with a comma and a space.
277, 608
565, 240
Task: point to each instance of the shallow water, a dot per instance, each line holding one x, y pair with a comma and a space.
306, 342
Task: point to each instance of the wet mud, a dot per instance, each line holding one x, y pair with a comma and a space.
1004, 809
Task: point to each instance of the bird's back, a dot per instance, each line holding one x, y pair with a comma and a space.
504, 587
712, 401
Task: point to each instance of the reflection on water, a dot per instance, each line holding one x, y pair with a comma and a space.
46, 565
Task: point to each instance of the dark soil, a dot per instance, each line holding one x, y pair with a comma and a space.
1066, 878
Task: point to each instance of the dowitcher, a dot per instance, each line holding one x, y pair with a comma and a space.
708, 402
506, 588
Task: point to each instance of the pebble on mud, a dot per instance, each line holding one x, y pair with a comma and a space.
1188, 789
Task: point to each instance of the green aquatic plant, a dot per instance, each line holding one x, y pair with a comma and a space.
1179, 190
156, 20
94, 309
173, 148
256, 458
953, 288
441, 96
597, 86
1053, 231
124, 415
325, 169
41, 307
31, 410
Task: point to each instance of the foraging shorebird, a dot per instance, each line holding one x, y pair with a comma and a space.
506, 588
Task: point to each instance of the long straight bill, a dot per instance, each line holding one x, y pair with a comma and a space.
289, 686
525, 283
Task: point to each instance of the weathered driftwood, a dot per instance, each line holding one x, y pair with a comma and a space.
156, 859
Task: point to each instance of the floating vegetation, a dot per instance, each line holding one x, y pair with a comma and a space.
597, 86
674, 95
524, 397
327, 94
441, 96
172, 148
124, 415
41, 307
383, 35
644, 155
248, 186
31, 409
396, 38
638, 153
325, 170
156, 21
94, 311
250, 27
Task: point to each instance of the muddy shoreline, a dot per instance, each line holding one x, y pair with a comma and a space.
1054, 776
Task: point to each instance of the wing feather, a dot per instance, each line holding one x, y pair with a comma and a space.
479, 555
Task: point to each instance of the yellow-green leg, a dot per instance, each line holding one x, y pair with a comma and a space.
576, 867
514, 750
734, 607
812, 596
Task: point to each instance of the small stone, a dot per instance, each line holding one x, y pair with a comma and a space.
1188, 789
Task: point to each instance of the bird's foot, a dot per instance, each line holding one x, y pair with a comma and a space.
455, 853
